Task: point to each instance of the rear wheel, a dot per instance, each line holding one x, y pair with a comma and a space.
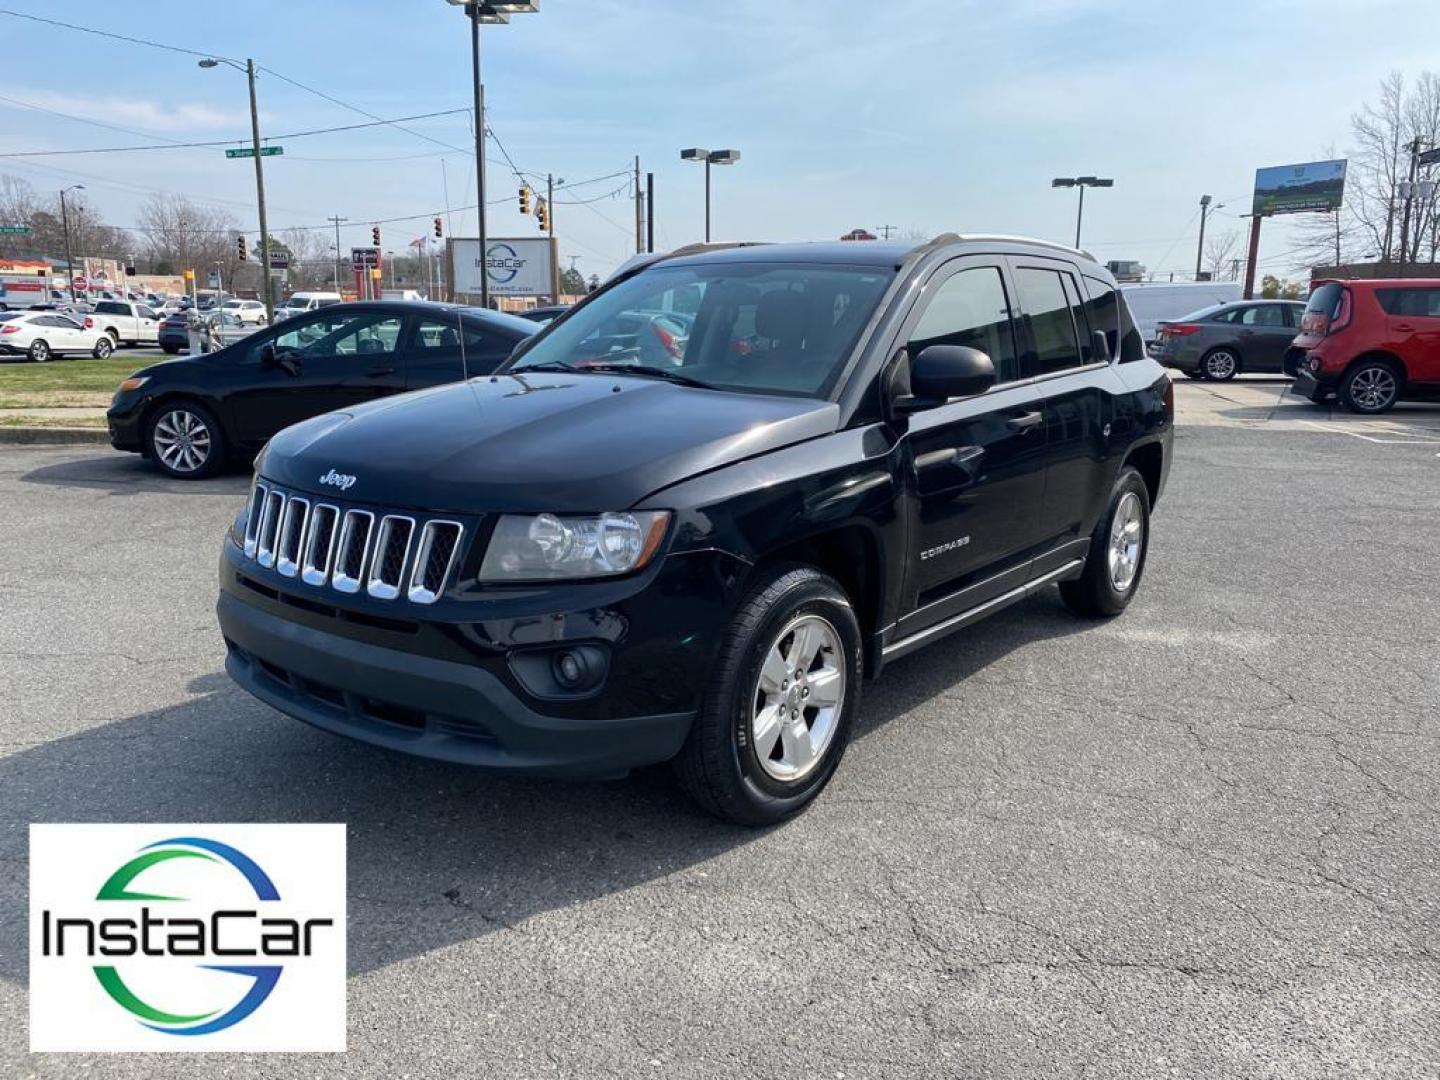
1370, 386
1220, 365
185, 440
39, 350
781, 701
1116, 559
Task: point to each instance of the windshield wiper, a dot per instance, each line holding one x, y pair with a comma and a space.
646, 369
548, 365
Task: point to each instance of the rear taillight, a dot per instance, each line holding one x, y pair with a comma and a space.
1314, 322
9, 329
1180, 329
1168, 397
89, 323
1342, 313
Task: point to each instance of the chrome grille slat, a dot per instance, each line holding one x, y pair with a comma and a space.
389, 557
351, 551
319, 544
434, 558
291, 536
385, 556
269, 526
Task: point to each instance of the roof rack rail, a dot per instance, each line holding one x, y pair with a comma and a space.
696, 249
953, 238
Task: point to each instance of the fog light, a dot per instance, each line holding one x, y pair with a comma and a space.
570, 670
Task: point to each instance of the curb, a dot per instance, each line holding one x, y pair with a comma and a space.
54, 436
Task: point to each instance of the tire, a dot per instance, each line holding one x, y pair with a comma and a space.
39, 351
1111, 577
1198, 374
103, 348
1222, 365
180, 448
743, 760
170, 350
1371, 387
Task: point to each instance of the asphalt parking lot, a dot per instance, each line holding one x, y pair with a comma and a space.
1197, 841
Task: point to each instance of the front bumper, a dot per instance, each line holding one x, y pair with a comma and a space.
123, 421
446, 686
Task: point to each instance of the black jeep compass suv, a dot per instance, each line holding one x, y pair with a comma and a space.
689, 517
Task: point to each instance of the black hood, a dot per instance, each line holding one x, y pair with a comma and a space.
538, 441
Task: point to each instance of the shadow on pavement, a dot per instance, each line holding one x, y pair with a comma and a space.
129, 474
437, 853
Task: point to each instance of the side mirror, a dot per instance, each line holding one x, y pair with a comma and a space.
941, 372
268, 358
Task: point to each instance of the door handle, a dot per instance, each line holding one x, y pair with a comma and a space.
963, 457
377, 372
1404, 326
1025, 421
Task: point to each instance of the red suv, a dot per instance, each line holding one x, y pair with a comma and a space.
1371, 343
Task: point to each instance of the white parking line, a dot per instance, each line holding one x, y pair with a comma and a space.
1335, 429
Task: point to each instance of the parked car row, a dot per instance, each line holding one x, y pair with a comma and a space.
1224, 340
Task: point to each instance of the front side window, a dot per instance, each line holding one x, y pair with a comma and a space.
970, 308
757, 327
339, 335
1043, 297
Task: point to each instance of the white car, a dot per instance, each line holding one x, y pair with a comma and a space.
127, 321
247, 311
42, 335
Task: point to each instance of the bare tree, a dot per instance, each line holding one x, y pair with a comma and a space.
1220, 252
180, 234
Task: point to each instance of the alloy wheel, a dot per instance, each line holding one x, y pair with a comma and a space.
39, 351
798, 698
1220, 364
182, 440
1127, 537
1373, 388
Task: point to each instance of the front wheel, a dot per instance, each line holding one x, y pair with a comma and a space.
1371, 386
781, 700
103, 348
185, 440
1116, 559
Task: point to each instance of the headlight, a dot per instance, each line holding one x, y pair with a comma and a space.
548, 547
135, 383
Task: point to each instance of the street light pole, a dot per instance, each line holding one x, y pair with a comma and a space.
337, 220
1199, 247
65, 223
479, 151
1082, 182
708, 158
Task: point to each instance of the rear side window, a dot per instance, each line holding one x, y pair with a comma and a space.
1102, 311
1043, 298
1326, 299
970, 308
1421, 303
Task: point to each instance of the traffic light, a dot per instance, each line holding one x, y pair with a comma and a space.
241, 249
439, 233
542, 214
375, 235
525, 200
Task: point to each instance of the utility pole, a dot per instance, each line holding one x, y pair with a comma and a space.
65, 223
260, 197
337, 221
639, 210
1200, 247
650, 211
885, 230
550, 228
474, 11
1408, 191
1254, 256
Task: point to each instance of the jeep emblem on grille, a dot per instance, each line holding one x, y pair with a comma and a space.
342, 481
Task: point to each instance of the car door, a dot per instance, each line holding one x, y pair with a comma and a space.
1069, 338
974, 467
1263, 333
148, 324
322, 362
1412, 318
76, 337
435, 354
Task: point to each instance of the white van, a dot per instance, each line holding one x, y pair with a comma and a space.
1153, 302
306, 301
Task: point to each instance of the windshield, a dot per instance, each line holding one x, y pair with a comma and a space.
768, 328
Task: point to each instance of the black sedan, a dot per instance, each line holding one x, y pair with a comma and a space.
1220, 342
191, 416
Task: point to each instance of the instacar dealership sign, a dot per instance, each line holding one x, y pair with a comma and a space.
517, 267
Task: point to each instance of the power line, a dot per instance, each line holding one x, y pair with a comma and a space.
225, 142
112, 36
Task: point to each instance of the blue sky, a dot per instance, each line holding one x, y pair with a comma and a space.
929, 115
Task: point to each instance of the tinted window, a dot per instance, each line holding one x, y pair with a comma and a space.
970, 309
361, 335
1424, 303
1263, 315
757, 326
1221, 316
1051, 322
435, 337
1102, 311
1326, 299
109, 307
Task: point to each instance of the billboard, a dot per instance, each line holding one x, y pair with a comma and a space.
517, 267
1295, 189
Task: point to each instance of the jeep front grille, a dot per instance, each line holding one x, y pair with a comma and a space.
387, 556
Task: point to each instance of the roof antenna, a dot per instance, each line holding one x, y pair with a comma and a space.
460, 329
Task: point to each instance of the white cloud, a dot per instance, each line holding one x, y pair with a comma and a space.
155, 116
